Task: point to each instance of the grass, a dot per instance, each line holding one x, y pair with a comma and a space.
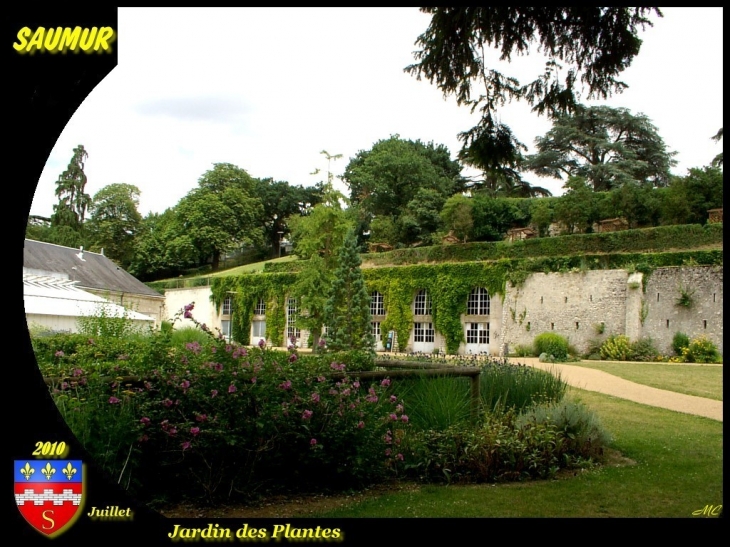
250, 268
674, 466
698, 380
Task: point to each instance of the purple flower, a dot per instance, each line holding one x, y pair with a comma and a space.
114, 400
315, 397
321, 378
189, 307
167, 403
385, 383
185, 384
172, 431
285, 385
213, 392
313, 442
356, 385
321, 342
293, 357
59, 353
360, 424
393, 417
194, 431
201, 417
229, 348
262, 343
77, 372
232, 388
144, 420
393, 399
253, 380
187, 315
400, 457
387, 451
185, 445
404, 418
307, 414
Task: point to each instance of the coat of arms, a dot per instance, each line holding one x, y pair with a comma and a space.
49, 493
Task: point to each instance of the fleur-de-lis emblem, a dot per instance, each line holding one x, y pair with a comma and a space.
48, 471
69, 471
27, 471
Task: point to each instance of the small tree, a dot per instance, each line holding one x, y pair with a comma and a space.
347, 312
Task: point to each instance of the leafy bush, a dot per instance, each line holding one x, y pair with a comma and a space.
701, 350
679, 342
584, 434
617, 348
524, 351
644, 350
497, 450
552, 344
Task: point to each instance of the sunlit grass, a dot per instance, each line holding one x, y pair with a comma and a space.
671, 465
698, 380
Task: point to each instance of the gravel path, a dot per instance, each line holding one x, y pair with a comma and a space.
603, 382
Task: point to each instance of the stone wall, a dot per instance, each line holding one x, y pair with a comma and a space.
204, 311
574, 305
665, 317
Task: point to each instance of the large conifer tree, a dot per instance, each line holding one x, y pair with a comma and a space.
347, 312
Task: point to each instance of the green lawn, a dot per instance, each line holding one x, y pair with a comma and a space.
673, 466
250, 268
699, 380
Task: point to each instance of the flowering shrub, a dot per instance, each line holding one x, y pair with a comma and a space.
701, 350
215, 419
616, 348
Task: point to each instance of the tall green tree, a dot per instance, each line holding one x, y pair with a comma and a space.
403, 178
587, 48
222, 213
115, 221
576, 208
458, 216
323, 230
73, 201
607, 146
311, 288
688, 198
282, 202
347, 311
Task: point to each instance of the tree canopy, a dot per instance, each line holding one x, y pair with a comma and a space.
585, 45
609, 147
73, 201
221, 213
115, 221
405, 181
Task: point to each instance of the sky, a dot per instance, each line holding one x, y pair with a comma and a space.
269, 89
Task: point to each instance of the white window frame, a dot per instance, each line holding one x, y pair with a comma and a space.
423, 332
422, 303
291, 320
377, 304
478, 303
227, 306
260, 308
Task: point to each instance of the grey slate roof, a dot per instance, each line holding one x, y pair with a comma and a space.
95, 271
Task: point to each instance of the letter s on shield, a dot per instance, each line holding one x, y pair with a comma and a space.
49, 493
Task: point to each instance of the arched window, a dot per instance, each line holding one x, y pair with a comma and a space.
422, 304
478, 303
377, 306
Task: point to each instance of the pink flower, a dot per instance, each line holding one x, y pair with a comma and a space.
400, 457
114, 400
77, 372
399, 408
201, 417
145, 421
194, 430
187, 315
285, 385
293, 357
356, 385
167, 403
185, 384
307, 414
315, 397
172, 431
253, 380
360, 424
393, 398
313, 442
262, 343
189, 307
213, 392
385, 383
59, 353
213, 349
387, 451
404, 418
185, 445
393, 417
232, 388
321, 378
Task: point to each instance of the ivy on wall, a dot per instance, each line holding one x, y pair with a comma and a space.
448, 285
